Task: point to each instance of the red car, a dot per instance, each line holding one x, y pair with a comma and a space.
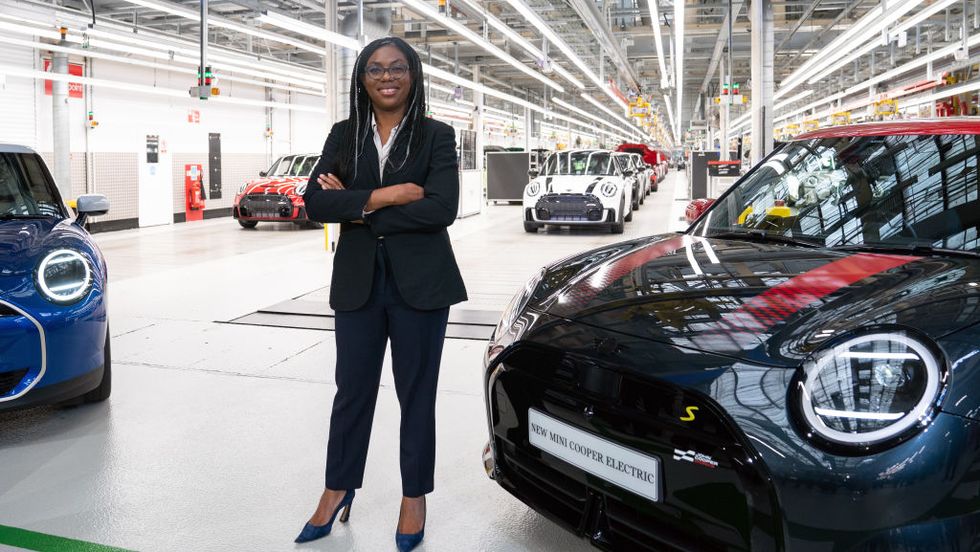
278, 195
696, 208
653, 158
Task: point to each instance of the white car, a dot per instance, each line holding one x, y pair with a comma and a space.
645, 174
580, 188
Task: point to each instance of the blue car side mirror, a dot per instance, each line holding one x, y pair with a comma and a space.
92, 205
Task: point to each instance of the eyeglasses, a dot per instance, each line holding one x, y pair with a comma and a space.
376, 72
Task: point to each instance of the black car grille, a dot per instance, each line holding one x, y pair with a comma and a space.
569, 208
265, 206
9, 380
701, 508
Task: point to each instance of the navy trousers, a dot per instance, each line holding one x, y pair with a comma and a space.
416, 350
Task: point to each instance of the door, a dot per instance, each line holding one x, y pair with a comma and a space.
156, 188
214, 165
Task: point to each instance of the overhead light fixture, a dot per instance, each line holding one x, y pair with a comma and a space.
658, 41
670, 115
867, 27
217, 21
893, 34
295, 25
432, 14
679, 59
449, 107
516, 38
91, 54
127, 33
166, 51
970, 87
543, 27
605, 109
145, 89
160, 50
586, 114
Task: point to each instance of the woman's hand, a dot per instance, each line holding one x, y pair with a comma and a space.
398, 194
330, 182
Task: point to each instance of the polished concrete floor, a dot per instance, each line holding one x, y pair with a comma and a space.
214, 437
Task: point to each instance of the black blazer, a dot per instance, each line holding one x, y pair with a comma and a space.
416, 239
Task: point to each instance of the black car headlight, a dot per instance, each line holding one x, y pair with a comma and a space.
512, 324
518, 304
609, 189
533, 188
870, 391
64, 276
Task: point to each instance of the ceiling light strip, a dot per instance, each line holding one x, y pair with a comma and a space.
432, 14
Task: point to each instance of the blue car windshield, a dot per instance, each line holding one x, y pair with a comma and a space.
875, 191
25, 189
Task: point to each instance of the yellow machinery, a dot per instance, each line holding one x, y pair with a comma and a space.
886, 108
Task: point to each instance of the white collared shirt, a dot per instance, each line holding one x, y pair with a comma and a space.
383, 150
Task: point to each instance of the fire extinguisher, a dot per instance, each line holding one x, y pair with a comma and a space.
197, 196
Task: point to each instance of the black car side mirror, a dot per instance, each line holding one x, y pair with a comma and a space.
532, 174
263, 174
628, 173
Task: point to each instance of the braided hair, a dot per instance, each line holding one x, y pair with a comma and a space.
358, 123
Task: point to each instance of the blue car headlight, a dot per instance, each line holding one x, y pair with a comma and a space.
870, 391
64, 276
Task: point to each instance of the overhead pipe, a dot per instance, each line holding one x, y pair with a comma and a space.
724, 34
590, 15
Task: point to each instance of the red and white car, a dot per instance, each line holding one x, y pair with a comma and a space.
278, 195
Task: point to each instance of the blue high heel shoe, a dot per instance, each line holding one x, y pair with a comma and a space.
313, 532
406, 542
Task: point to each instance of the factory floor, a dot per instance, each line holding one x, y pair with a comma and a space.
215, 436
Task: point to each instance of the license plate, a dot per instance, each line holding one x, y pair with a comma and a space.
634, 471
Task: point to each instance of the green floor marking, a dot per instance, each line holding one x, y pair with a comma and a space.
39, 542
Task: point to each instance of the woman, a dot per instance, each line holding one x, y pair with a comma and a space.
389, 175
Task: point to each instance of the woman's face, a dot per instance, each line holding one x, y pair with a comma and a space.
387, 79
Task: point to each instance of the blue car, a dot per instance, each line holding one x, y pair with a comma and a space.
54, 329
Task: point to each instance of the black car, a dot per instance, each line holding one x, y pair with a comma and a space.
794, 372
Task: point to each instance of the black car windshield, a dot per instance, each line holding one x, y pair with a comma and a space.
872, 191
25, 188
578, 163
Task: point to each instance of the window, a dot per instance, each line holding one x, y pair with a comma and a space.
898, 190
26, 192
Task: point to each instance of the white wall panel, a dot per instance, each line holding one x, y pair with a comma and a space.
17, 99
309, 129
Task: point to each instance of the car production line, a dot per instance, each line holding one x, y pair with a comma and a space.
214, 436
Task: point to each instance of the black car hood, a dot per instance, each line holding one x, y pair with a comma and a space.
763, 302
